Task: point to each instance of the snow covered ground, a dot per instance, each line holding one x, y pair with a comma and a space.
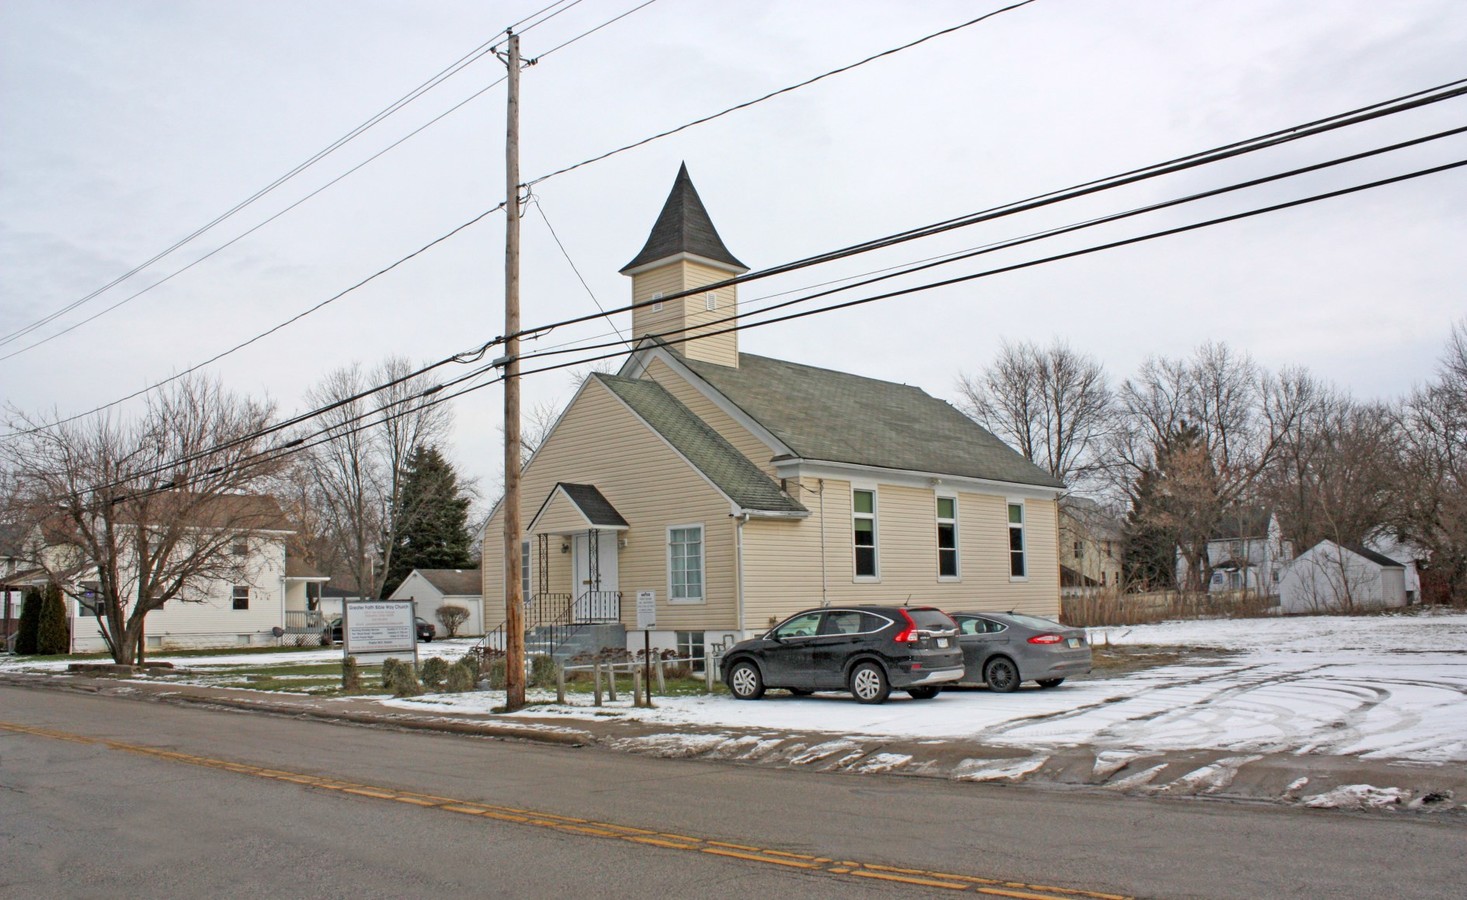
1377, 687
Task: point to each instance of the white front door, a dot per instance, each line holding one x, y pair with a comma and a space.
604, 580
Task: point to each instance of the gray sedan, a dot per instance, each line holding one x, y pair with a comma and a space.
1004, 649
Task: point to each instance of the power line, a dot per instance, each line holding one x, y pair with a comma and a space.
434, 392
301, 315
437, 79
592, 31
1404, 103
592, 294
783, 90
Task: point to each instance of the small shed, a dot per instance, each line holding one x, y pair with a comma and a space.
1331, 577
435, 588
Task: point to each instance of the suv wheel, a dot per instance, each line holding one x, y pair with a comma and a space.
869, 684
744, 681
1002, 675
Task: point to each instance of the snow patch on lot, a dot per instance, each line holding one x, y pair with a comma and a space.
1358, 796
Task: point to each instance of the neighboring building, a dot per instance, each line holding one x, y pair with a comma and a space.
1246, 552
263, 596
1330, 577
738, 489
1089, 547
436, 588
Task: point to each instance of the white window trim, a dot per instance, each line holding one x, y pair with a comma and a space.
702, 598
1024, 538
957, 536
875, 532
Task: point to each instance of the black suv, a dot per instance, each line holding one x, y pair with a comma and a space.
867, 650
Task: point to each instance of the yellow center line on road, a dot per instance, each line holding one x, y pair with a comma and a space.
589, 828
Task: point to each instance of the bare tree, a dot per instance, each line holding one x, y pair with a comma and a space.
1243, 417
148, 511
377, 418
1434, 468
1052, 404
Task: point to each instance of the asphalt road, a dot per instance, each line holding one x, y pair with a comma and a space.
111, 797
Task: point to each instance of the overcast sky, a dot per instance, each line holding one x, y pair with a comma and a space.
128, 125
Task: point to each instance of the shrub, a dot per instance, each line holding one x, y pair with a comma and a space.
473, 664
53, 635
452, 617
435, 670
399, 677
30, 622
542, 671
462, 676
351, 675
495, 674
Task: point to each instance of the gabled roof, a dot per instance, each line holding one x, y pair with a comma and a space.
454, 582
821, 414
1379, 559
297, 568
683, 227
589, 501
705, 449
1239, 524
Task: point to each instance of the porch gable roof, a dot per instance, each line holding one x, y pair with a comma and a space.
586, 502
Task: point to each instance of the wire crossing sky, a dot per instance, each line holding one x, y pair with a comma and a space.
125, 127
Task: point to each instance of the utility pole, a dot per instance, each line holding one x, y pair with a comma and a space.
514, 601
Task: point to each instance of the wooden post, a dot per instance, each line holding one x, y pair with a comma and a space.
611, 674
637, 687
560, 685
596, 679
514, 669
661, 678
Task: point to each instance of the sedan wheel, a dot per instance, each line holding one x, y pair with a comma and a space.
745, 682
869, 684
923, 693
1002, 675
1050, 682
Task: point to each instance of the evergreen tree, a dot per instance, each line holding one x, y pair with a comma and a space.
53, 635
1175, 505
30, 622
434, 533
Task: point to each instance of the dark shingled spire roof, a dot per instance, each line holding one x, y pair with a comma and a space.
683, 227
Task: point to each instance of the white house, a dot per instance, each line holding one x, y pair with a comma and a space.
1330, 577
1247, 551
436, 588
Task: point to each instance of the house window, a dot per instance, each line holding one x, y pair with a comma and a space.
657, 302
241, 596
710, 300
240, 548
690, 646
947, 537
685, 564
1016, 541
863, 516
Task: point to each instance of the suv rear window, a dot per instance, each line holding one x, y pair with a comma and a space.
931, 619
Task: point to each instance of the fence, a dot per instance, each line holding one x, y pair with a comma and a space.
1113, 608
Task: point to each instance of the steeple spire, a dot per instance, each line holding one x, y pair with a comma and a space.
684, 230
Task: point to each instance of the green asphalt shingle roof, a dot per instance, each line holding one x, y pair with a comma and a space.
707, 450
821, 414
593, 504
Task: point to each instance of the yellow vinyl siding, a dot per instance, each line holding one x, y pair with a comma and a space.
782, 560
688, 314
599, 441
743, 440
562, 517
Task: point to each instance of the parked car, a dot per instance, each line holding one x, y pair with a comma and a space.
427, 631
1003, 650
866, 650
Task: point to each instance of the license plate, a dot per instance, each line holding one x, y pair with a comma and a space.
942, 642
1074, 642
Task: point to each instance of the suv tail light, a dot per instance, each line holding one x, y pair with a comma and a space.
907, 635
1045, 639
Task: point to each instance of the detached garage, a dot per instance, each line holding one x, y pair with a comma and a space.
1330, 577
435, 588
